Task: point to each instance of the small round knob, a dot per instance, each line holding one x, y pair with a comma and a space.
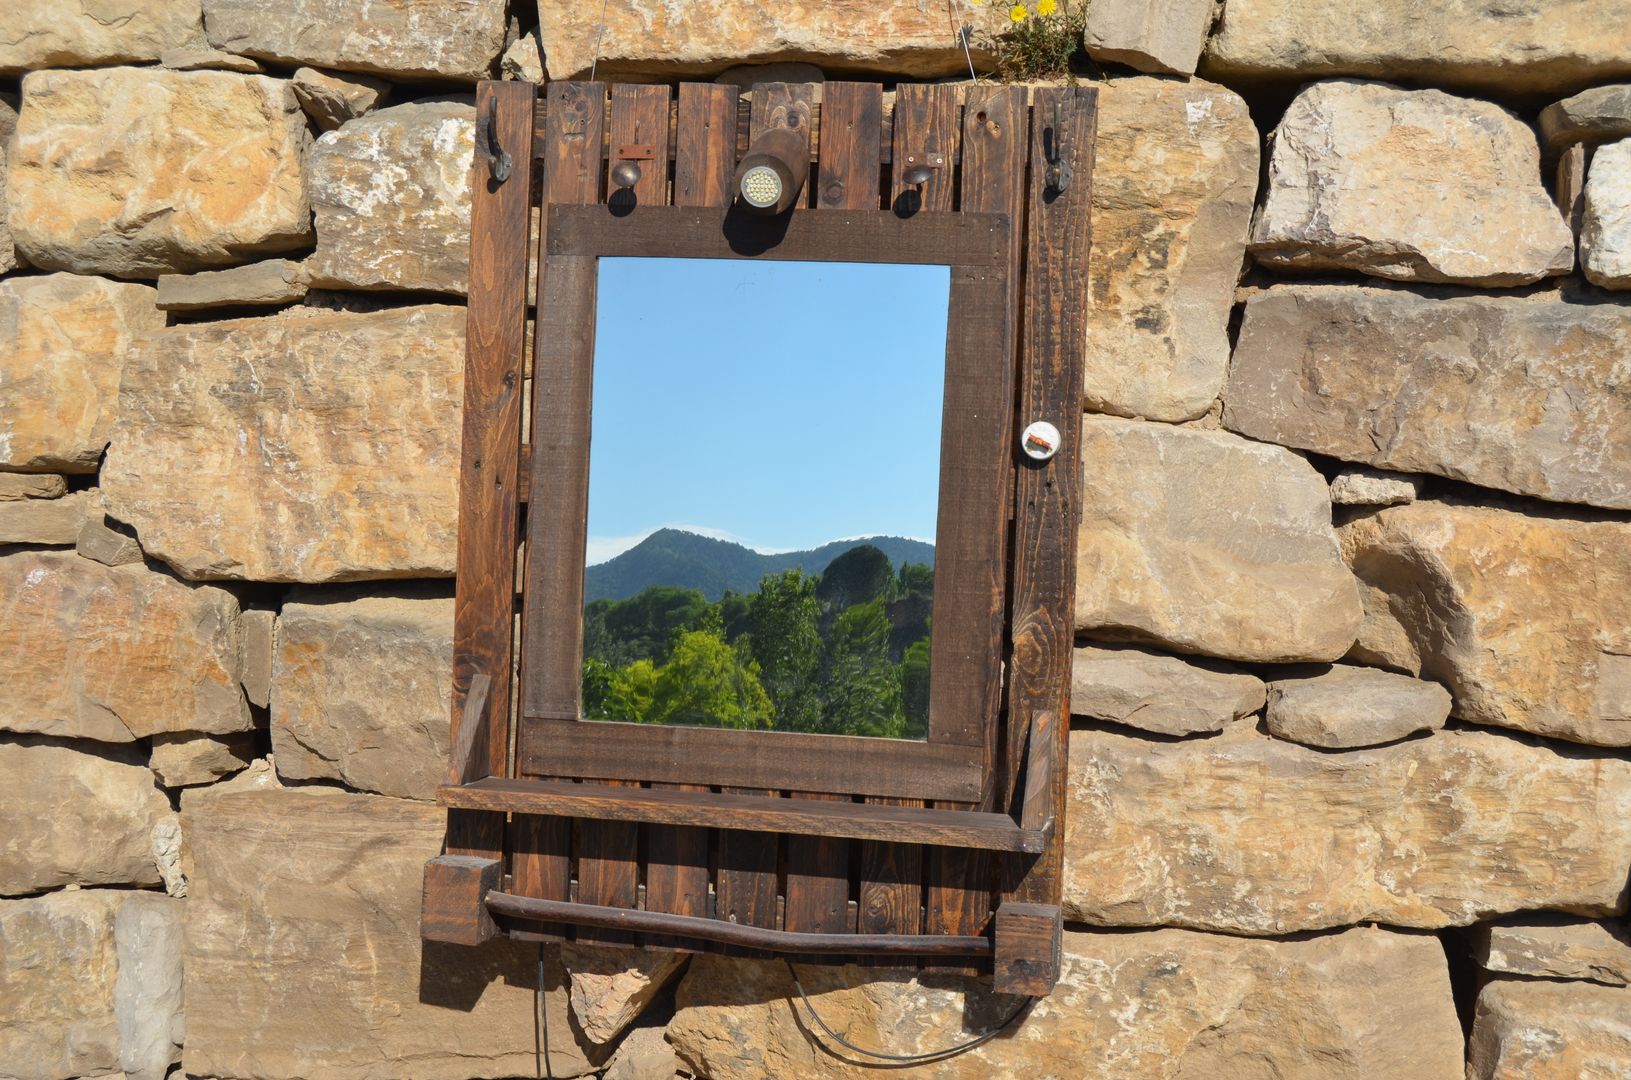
1040, 440
625, 174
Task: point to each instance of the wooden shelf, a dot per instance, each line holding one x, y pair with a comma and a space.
753, 813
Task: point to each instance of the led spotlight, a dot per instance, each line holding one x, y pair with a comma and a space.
773, 173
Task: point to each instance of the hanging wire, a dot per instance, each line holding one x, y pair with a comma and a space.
600, 31
546, 1068
933, 1055
964, 29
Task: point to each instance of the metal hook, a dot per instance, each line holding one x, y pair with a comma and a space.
498, 162
1058, 150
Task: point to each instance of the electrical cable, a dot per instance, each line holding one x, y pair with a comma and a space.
600, 30
546, 1068
935, 1055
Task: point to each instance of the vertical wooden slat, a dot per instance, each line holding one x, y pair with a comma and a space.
995, 142
677, 857
890, 896
571, 174
609, 851
1048, 494
488, 505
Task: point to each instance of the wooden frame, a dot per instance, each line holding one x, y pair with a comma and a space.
975, 448
959, 869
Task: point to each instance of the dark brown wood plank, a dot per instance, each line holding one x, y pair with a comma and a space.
453, 906
677, 857
925, 134
495, 322
754, 813
1027, 946
1047, 500
993, 149
889, 895
779, 941
872, 236
541, 860
608, 852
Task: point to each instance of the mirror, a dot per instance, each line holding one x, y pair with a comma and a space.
764, 475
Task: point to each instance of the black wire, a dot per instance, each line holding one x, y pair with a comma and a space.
935, 1055
546, 1068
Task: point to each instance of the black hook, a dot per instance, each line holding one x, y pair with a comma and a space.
498, 162
1058, 150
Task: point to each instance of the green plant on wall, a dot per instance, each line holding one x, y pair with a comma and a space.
1041, 39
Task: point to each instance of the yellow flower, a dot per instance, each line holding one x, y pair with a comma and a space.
1046, 7
1017, 13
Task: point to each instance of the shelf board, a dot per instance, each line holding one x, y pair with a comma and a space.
753, 813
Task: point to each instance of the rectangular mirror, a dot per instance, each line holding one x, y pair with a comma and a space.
764, 472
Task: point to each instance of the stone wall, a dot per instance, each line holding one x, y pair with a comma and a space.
1350, 786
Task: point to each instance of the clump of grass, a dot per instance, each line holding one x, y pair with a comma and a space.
1041, 39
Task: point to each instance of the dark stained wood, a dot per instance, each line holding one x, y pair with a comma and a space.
754, 813
705, 144
465, 765
541, 860
851, 117
1047, 500
639, 118
1041, 759
925, 133
453, 905
871, 236
783, 105
500, 225
780, 941
1027, 948
993, 147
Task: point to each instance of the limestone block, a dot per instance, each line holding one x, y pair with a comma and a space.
1605, 230
47, 33
1415, 185
114, 653
106, 545
9, 258
316, 940
186, 760
435, 39
523, 60
202, 58
49, 521
257, 643
1555, 947
1601, 114
63, 341
331, 99
392, 195
644, 1054
73, 818
1203, 542
137, 172
95, 976
611, 987
1532, 1030
362, 690
1174, 177
1556, 46
14, 486
1248, 835
271, 281
1521, 394
657, 37
1162, 1005
1164, 694
313, 446
1521, 616
1346, 706
1163, 36
1368, 487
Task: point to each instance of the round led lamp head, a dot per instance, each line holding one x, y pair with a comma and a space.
761, 187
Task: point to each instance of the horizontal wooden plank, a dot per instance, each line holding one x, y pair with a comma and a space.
784, 760
867, 236
752, 937
802, 817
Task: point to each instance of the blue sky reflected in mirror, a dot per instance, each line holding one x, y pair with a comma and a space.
778, 404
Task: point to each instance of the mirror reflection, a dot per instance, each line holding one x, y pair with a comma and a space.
763, 483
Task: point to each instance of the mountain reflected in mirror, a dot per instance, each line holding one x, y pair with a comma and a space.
744, 415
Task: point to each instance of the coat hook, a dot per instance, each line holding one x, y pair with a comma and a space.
498, 161
1058, 150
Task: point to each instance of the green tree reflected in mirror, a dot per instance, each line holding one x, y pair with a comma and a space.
764, 474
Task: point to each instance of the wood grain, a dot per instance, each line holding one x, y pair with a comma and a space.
1047, 500
495, 327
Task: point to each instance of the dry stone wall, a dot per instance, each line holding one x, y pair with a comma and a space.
1350, 767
